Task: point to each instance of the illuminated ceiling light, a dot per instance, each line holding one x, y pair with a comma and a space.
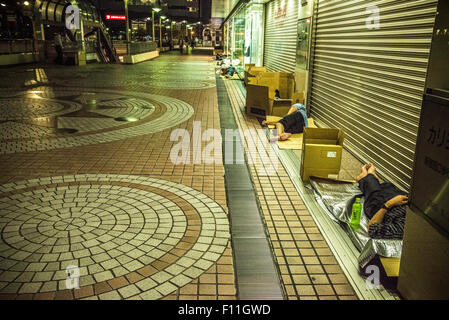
157, 9
26, 3
3, 5
163, 17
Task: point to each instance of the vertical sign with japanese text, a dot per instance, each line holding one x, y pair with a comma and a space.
430, 186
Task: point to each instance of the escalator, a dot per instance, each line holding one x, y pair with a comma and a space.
103, 45
105, 49
53, 12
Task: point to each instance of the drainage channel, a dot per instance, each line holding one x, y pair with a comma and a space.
256, 273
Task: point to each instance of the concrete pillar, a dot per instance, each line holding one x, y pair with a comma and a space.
152, 25
127, 27
160, 32
82, 50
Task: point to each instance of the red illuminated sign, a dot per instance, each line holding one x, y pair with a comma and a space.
115, 17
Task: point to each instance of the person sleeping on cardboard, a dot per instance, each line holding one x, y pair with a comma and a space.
293, 122
384, 205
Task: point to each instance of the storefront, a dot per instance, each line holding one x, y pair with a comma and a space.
362, 67
244, 35
254, 25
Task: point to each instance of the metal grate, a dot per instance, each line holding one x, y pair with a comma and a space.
369, 81
280, 35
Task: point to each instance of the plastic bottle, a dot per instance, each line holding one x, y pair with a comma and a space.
356, 212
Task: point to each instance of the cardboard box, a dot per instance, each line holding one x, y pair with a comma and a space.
321, 155
252, 71
279, 107
257, 101
246, 74
248, 66
286, 84
261, 102
298, 97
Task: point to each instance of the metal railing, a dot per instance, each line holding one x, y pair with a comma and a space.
142, 47
134, 47
90, 46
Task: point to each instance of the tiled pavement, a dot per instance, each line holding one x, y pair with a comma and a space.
81, 187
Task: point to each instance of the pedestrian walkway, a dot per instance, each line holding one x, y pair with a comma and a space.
308, 268
87, 181
88, 185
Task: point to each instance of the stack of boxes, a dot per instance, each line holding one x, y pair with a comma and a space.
261, 89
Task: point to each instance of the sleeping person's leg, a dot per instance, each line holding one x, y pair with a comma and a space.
372, 169
363, 174
290, 111
267, 123
370, 186
279, 133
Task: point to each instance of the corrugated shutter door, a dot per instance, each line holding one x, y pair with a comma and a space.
280, 35
370, 82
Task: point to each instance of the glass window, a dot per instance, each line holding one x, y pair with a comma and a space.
302, 47
254, 34
239, 39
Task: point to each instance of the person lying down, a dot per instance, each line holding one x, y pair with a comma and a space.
293, 122
384, 205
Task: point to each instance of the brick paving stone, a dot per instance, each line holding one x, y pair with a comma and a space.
205, 289
30, 287
118, 282
166, 288
102, 276
63, 295
101, 287
112, 295
44, 296
146, 284
129, 291
134, 277
147, 271
151, 295
226, 289
343, 289
83, 292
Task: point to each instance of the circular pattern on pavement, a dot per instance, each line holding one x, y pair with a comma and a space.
158, 80
107, 226
24, 108
165, 112
182, 85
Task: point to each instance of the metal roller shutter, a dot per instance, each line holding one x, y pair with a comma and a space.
370, 82
280, 35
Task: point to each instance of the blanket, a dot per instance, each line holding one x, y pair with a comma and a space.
337, 198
